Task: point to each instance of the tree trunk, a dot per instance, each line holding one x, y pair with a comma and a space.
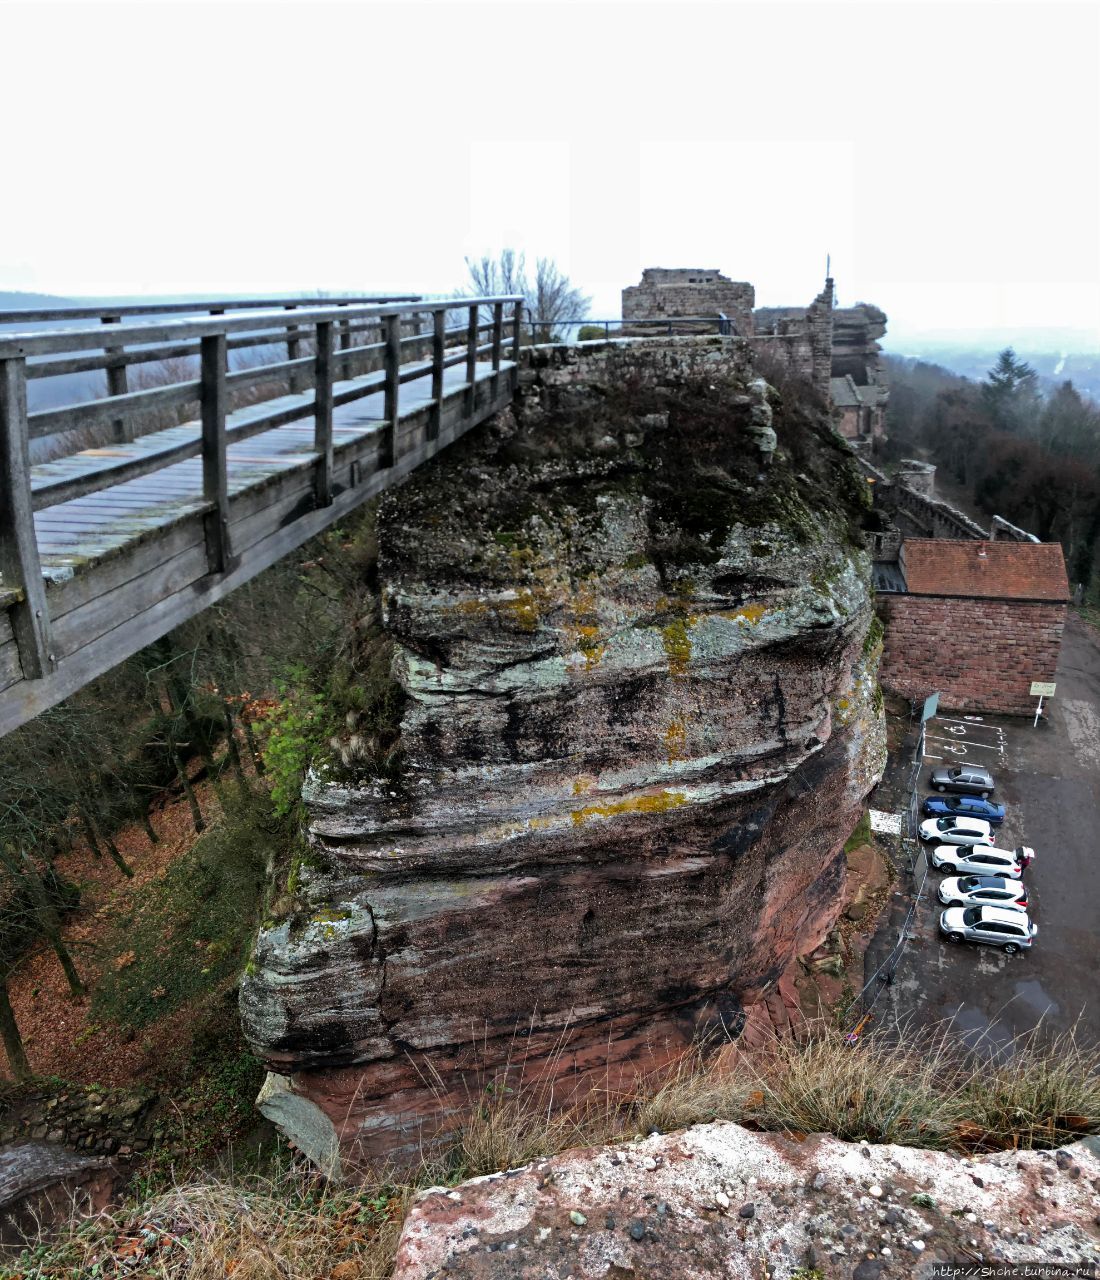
9, 1033
197, 820
118, 859
89, 833
234, 751
48, 920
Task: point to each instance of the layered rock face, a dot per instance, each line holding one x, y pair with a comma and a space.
719, 1200
631, 623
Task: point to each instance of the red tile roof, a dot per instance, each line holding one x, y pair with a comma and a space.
1000, 570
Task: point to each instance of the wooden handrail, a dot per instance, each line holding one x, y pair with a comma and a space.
110, 313
65, 340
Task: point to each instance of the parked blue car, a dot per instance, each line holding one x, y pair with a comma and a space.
965, 807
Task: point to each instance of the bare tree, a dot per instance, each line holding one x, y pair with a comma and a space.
550, 299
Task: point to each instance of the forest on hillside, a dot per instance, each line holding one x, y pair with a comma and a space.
1029, 456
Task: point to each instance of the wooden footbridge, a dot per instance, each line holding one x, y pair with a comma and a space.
250, 430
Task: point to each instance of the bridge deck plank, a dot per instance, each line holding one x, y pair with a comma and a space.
126, 563
82, 531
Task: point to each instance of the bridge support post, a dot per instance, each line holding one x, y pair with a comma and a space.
517, 330
20, 567
322, 413
215, 485
439, 330
391, 327
293, 351
498, 339
471, 363
117, 385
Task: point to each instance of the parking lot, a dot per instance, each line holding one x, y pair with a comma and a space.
1048, 778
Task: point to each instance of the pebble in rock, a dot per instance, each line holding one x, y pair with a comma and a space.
916, 1246
577, 1218
721, 1200
868, 1269
819, 1182
747, 1211
649, 1163
875, 1190
637, 1230
893, 1217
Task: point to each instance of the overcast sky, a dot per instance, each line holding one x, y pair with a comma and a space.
946, 155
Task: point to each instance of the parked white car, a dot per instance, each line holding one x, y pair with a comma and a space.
982, 891
978, 860
1010, 930
954, 829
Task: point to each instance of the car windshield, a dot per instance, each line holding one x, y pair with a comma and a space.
972, 915
970, 882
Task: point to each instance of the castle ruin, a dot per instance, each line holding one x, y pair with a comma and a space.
835, 349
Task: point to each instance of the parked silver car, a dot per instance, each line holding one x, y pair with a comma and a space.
998, 926
982, 891
966, 779
976, 860
952, 829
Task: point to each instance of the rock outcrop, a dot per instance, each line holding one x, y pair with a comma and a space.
719, 1200
631, 625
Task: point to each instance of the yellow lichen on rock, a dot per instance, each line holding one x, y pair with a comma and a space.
661, 802
676, 638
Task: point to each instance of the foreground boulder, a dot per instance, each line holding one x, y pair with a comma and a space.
631, 632
721, 1201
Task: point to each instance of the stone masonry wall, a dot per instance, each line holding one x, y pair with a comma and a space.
982, 655
689, 291
801, 341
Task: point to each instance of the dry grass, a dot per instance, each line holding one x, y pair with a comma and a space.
923, 1088
291, 1225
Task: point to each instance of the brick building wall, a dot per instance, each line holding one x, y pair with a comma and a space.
982, 655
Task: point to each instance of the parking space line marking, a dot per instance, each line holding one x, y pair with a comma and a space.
987, 746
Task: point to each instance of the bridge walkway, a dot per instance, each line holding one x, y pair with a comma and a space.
107, 548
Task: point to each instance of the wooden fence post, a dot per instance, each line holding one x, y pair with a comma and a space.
294, 381
517, 335
215, 483
438, 345
117, 385
498, 338
345, 345
471, 362
391, 326
20, 568
322, 413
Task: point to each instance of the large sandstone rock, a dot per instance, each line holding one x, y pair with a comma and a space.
720, 1201
641, 720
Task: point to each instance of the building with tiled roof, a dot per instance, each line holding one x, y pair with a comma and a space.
975, 620
997, 570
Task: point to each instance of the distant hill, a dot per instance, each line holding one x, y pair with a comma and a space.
1056, 355
11, 301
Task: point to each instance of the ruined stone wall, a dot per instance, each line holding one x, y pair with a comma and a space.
982, 655
689, 291
799, 339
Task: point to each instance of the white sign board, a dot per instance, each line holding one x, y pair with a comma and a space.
1041, 690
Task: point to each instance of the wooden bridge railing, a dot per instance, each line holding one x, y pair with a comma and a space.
355, 350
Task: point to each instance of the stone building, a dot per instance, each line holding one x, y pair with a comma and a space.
690, 291
835, 350
976, 620
860, 411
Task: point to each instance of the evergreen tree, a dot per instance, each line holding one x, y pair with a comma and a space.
1011, 394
